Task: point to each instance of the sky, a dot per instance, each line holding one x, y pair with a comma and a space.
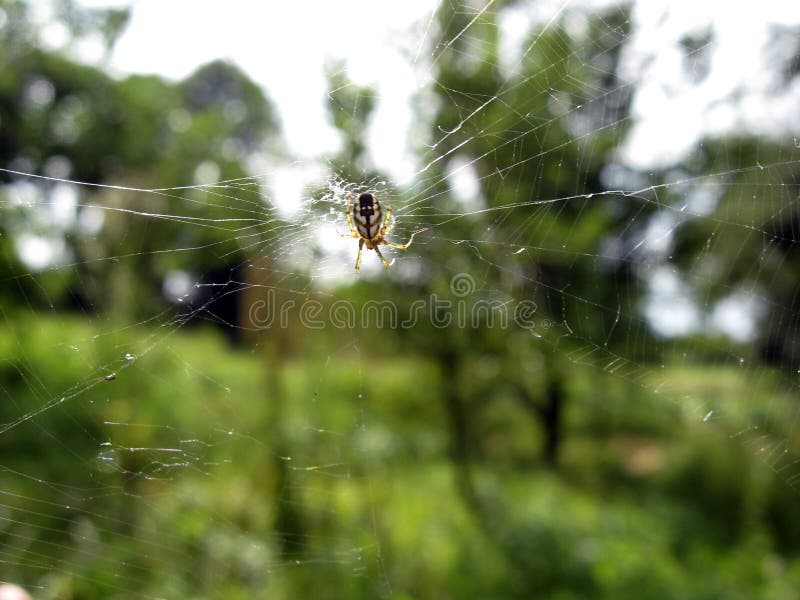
285, 47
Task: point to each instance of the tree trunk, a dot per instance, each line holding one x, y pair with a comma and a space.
548, 410
551, 415
460, 450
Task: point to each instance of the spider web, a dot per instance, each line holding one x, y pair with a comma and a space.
271, 462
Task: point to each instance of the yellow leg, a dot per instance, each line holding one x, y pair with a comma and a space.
384, 228
360, 249
353, 230
383, 260
401, 246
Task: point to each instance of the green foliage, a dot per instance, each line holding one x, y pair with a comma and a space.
673, 507
63, 119
755, 213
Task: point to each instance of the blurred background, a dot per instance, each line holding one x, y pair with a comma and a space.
579, 381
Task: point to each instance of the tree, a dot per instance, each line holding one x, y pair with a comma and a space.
755, 214
538, 140
71, 121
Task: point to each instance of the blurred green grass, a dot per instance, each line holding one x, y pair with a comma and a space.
204, 471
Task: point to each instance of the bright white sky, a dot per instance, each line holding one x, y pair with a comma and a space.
285, 46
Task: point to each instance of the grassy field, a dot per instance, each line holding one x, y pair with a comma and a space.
193, 469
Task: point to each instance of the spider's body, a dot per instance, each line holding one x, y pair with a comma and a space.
367, 218
368, 224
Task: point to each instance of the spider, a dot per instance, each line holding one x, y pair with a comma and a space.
369, 226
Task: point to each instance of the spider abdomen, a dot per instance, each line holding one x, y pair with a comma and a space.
367, 216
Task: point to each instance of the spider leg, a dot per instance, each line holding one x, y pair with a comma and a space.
401, 246
384, 228
353, 230
358, 259
383, 260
